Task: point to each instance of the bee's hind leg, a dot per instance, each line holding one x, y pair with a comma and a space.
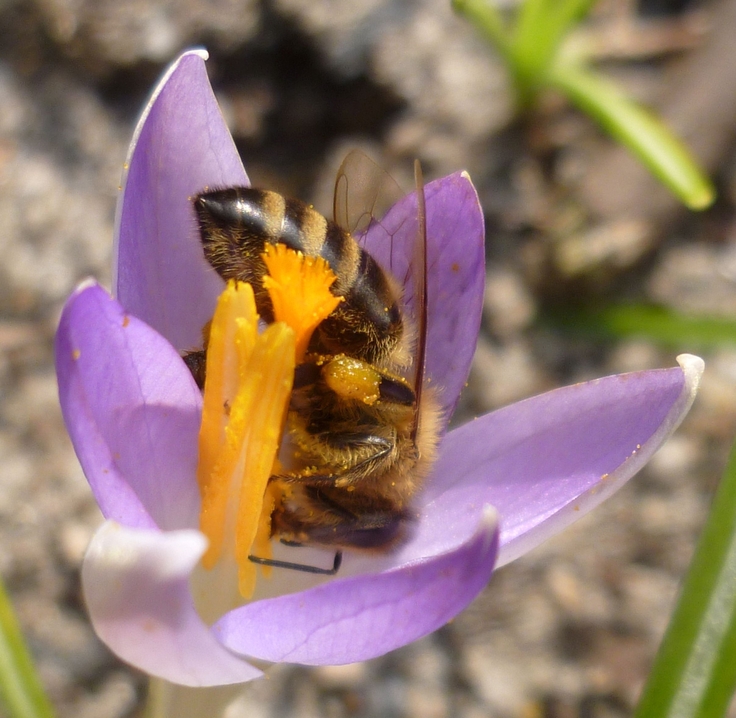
304, 568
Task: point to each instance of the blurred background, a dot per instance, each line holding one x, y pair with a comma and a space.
573, 224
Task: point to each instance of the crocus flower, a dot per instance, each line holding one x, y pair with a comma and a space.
501, 484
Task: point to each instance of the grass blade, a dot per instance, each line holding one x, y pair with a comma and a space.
694, 673
541, 26
636, 128
484, 16
20, 687
650, 322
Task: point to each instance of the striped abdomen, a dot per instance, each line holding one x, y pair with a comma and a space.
235, 224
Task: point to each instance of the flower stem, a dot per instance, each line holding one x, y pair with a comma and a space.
167, 700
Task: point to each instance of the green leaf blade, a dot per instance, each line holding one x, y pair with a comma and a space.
540, 29
20, 687
484, 16
694, 674
654, 323
639, 130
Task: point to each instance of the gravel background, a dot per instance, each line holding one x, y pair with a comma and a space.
569, 630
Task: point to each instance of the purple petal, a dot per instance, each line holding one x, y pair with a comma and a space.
180, 147
358, 618
132, 410
456, 273
544, 462
136, 585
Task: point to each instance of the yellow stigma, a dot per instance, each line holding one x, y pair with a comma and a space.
246, 396
299, 288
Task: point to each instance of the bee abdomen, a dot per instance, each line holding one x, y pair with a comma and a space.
245, 219
235, 224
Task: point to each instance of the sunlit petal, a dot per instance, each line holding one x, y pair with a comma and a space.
456, 273
180, 147
357, 618
132, 410
546, 461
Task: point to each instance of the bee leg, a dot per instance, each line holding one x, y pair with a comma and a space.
336, 563
304, 568
196, 363
334, 517
333, 508
381, 449
306, 374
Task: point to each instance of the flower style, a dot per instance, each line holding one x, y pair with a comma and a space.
133, 412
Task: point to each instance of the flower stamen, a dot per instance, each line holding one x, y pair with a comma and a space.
249, 380
247, 388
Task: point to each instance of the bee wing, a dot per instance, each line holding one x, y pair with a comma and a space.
418, 269
363, 192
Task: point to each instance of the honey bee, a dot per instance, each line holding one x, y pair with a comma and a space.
365, 455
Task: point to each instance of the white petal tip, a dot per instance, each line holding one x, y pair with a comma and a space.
490, 516
489, 522
693, 368
85, 284
198, 51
